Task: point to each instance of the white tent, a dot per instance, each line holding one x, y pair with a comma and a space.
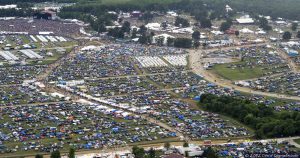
246, 30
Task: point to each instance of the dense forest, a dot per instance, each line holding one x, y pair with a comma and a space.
3, 2
266, 122
274, 8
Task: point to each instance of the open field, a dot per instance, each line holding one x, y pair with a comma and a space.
237, 73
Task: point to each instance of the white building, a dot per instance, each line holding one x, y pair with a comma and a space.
245, 20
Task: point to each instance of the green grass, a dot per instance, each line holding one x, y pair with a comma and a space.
297, 141
237, 73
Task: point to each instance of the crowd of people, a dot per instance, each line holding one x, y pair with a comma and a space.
34, 27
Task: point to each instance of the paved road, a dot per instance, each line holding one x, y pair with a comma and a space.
179, 143
128, 76
195, 58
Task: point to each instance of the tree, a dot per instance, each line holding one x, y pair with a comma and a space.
164, 25
126, 27
183, 43
294, 26
133, 34
170, 42
181, 22
72, 153
147, 16
196, 44
225, 26
298, 34
196, 35
143, 29
206, 23
143, 39
38, 156
55, 154
185, 144
237, 33
138, 152
116, 32
264, 24
286, 35
152, 153
209, 153
167, 145
160, 41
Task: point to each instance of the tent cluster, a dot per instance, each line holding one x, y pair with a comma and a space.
109, 60
78, 125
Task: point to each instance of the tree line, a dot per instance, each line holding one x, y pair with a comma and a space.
266, 122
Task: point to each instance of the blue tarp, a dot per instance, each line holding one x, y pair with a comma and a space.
197, 98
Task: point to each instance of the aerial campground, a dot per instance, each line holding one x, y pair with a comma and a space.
149, 78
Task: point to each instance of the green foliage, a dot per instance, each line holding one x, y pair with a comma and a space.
205, 23
152, 153
183, 43
170, 41
185, 144
209, 153
196, 44
275, 8
72, 153
287, 35
181, 22
167, 145
225, 26
23, 12
38, 156
138, 152
265, 121
116, 32
126, 27
237, 33
294, 26
264, 24
55, 154
147, 16
196, 35
144, 39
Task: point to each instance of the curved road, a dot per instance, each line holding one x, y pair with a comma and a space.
195, 60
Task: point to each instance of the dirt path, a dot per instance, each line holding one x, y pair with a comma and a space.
195, 57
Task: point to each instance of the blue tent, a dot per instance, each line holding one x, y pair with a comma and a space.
115, 129
181, 117
197, 98
172, 134
211, 85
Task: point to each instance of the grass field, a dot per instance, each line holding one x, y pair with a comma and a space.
297, 141
237, 73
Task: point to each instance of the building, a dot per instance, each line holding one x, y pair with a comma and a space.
245, 20
191, 151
